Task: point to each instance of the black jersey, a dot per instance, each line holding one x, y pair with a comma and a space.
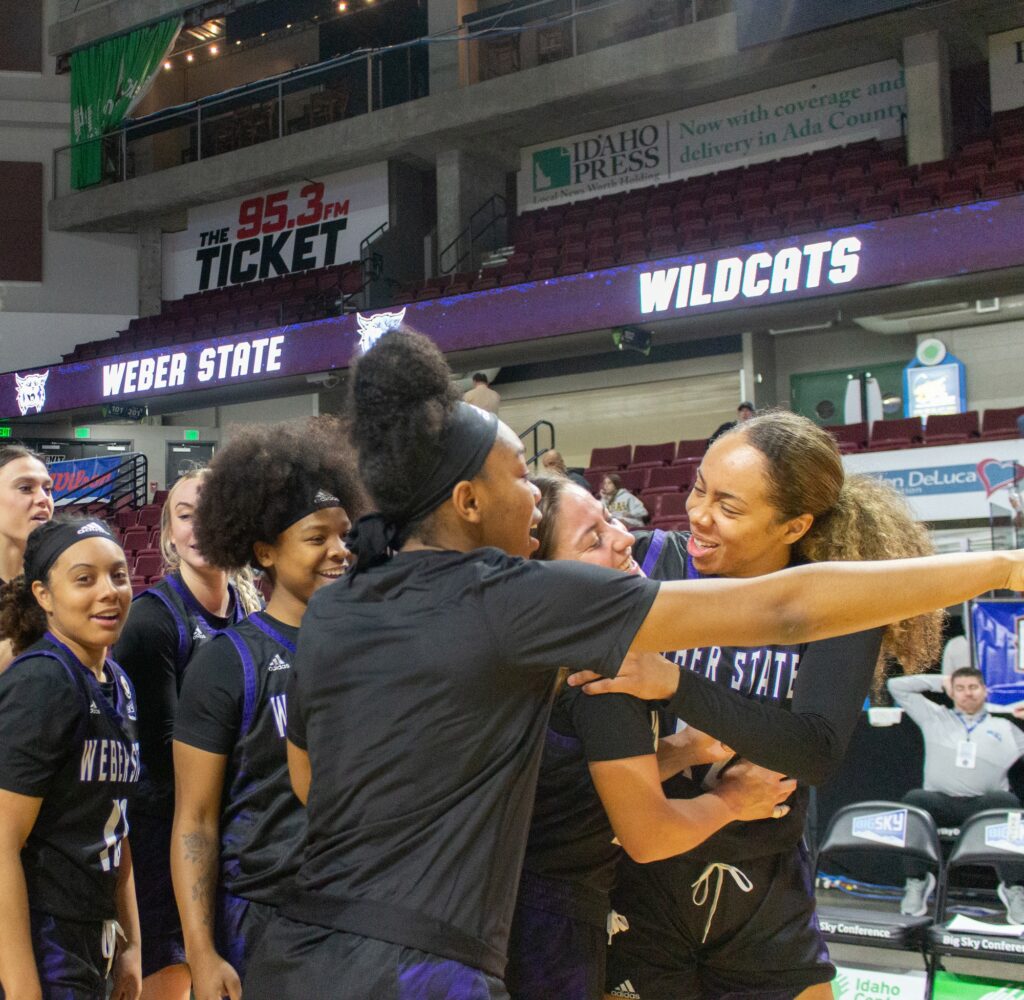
65, 741
806, 740
570, 835
421, 691
165, 626
234, 702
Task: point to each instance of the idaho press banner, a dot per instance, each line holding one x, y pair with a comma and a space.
862, 103
294, 227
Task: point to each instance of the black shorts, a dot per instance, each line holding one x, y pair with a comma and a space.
69, 957
556, 948
239, 927
764, 943
162, 941
293, 957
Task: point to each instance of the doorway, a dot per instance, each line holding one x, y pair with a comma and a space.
182, 458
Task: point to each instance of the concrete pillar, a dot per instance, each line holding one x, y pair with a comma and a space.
929, 120
450, 61
759, 369
464, 183
151, 270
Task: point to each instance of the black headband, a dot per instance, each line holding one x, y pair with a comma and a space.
59, 538
303, 507
467, 443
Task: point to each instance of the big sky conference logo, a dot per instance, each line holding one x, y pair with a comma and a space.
600, 162
889, 828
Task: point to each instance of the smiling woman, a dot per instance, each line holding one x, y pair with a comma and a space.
281, 499
70, 762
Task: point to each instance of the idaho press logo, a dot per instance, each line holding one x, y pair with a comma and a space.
889, 828
552, 168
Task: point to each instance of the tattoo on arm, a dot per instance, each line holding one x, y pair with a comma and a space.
202, 851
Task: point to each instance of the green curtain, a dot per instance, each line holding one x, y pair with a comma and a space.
107, 81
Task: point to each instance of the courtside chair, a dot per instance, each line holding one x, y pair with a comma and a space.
876, 828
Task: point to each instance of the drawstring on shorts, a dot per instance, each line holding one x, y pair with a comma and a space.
700, 888
112, 930
616, 924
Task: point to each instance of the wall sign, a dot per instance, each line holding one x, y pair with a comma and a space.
871, 255
297, 227
862, 103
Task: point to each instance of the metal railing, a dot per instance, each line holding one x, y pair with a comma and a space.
519, 36
533, 448
125, 488
484, 232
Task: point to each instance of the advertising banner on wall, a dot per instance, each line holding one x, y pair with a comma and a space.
949, 986
880, 254
863, 103
997, 628
295, 227
1006, 69
73, 475
858, 983
949, 483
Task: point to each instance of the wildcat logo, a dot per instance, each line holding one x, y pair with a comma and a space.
31, 391
372, 328
883, 828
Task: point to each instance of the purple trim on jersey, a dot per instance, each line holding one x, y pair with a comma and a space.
442, 979
651, 559
561, 741
267, 629
176, 584
249, 675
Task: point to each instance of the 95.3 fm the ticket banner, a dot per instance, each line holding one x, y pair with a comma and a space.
309, 223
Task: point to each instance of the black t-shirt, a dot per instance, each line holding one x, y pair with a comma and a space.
163, 630
234, 702
66, 742
800, 729
570, 835
421, 691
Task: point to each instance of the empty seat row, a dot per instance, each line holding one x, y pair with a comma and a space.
911, 432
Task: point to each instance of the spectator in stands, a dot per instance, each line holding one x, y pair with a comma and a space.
554, 465
26, 501
967, 754
482, 394
743, 413
620, 503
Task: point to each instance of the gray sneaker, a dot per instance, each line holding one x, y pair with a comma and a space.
916, 894
1013, 899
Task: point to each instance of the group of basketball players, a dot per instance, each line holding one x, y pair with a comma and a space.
334, 794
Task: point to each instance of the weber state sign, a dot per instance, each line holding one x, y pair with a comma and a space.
301, 226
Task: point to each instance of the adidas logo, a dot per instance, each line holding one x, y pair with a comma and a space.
323, 497
92, 528
278, 664
199, 634
625, 989
93, 710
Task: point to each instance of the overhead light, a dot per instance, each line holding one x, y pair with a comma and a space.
238, 41
167, 64
214, 50
288, 26
263, 34
342, 6
189, 57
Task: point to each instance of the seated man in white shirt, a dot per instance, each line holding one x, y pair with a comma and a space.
967, 754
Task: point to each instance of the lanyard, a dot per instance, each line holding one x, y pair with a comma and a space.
970, 729
268, 629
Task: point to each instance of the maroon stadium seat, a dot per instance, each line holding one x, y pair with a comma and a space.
646, 456
149, 564
669, 479
951, 428
904, 432
1001, 423
690, 449
610, 459
135, 539
850, 437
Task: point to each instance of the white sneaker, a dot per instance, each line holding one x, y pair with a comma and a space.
916, 895
1012, 897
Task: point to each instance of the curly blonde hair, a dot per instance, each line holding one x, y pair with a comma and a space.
855, 518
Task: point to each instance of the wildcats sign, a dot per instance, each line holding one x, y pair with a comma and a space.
299, 227
754, 276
